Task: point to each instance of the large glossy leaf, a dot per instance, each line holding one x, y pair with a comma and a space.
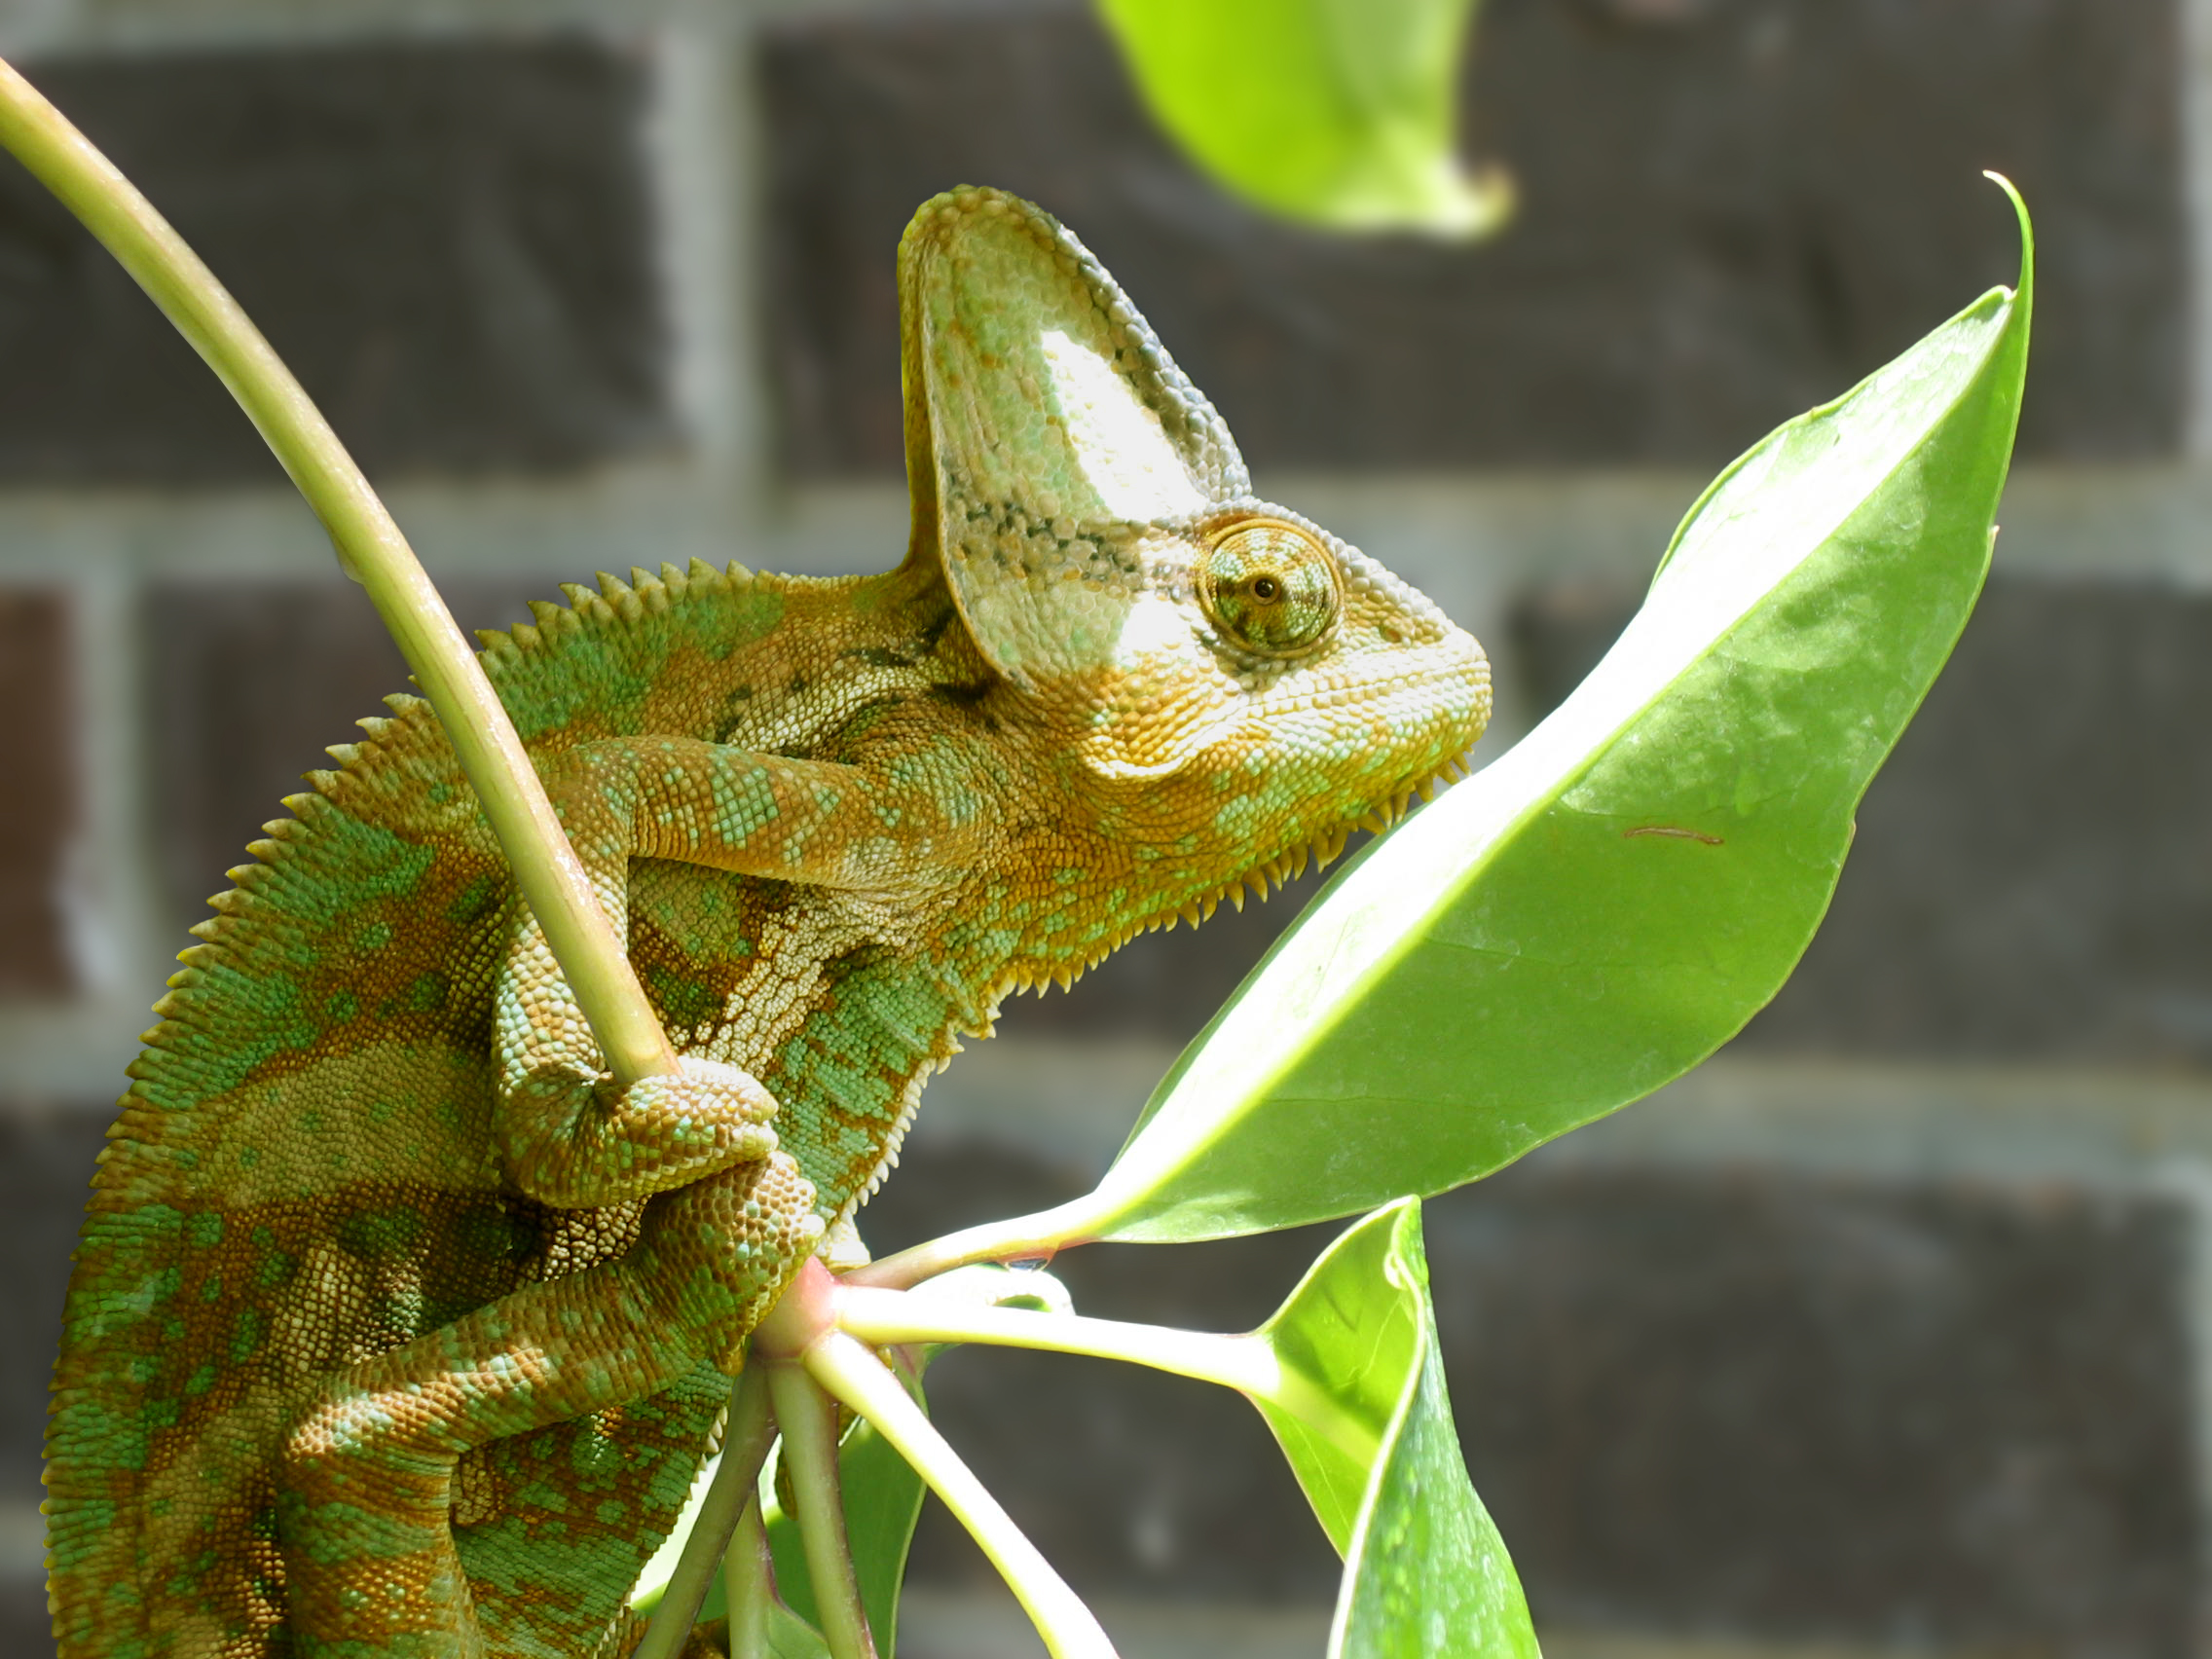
1602, 907
1336, 112
1372, 1442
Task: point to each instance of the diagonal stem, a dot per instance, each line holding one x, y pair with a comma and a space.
855, 1376
810, 1453
746, 1440
373, 552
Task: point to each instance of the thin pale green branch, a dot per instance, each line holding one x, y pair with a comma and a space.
809, 1424
1248, 1364
746, 1439
1022, 1237
856, 1377
373, 551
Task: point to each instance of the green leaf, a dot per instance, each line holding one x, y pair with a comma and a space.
1606, 904
1367, 1428
790, 1636
1338, 113
883, 1501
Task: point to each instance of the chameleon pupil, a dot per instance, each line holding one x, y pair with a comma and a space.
1264, 588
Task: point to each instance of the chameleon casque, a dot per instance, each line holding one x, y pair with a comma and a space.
395, 1327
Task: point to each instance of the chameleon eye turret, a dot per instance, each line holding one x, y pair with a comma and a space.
1270, 587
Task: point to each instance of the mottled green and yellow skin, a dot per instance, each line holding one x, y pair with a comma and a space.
398, 1329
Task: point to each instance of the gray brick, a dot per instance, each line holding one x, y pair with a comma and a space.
449, 241
46, 1173
1946, 1417
1732, 211
1781, 1407
38, 810
2031, 878
249, 681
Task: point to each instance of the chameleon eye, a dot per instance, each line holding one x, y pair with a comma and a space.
1270, 587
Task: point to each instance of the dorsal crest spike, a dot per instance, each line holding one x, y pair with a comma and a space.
585, 604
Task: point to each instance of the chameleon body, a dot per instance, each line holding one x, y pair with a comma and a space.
396, 1328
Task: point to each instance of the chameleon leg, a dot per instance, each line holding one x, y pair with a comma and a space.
366, 1489
568, 1135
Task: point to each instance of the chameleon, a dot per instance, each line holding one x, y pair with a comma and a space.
395, 1326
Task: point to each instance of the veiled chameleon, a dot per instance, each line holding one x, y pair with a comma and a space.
396, 1328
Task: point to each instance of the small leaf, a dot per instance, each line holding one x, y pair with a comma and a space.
790, 1636
1367, 1428
1338, 113
1606, 904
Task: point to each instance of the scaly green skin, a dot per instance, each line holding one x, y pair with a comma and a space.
396, 1327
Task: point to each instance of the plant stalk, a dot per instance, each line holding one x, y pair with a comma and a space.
1248, 1364
810, 1453
373, 552
856, 1377
1023, 1237
746, 1440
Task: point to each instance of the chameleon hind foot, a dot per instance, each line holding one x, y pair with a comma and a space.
364, 1509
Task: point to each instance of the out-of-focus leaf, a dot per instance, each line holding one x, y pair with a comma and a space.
1602, 907
1338, 113
1367, 1428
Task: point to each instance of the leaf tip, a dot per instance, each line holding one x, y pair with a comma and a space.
2027, 228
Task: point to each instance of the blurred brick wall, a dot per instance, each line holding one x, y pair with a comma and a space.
1884, 1332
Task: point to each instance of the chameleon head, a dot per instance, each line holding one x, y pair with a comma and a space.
1223, 677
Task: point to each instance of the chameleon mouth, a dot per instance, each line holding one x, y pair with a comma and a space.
1263, 880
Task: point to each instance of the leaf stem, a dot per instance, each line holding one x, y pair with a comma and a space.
746, 1440
749, 1582
1023, 1237
373, 551
810, 1453
858, 1379
1248, 1364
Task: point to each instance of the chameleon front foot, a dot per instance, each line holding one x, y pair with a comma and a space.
578, 1140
